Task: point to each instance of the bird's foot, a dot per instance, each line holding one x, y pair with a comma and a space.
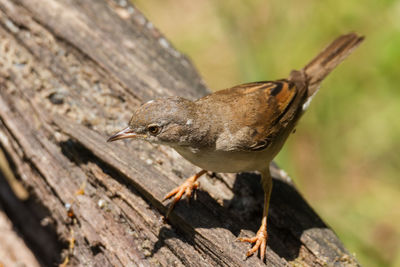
186, 189
260, 241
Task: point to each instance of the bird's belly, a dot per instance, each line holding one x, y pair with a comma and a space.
225, 161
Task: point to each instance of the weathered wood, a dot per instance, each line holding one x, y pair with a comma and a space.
71, 72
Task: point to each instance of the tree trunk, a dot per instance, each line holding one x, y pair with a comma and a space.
71, 73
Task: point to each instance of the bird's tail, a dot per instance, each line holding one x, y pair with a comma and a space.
328, 59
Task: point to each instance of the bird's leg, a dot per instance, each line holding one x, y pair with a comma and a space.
186, 188
261, 237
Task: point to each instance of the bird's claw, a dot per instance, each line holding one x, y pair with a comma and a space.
186, 189
260, 241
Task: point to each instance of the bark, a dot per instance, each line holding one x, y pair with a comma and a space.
71, 73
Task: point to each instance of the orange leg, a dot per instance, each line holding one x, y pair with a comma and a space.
260, 239
186, 188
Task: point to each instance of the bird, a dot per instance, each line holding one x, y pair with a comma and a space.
238, 129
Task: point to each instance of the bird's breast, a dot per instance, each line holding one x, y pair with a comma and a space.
224, 161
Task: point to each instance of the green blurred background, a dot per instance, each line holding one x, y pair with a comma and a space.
345, 155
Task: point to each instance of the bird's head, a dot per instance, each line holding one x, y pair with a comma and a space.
166, 121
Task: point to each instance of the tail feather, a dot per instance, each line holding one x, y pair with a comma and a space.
328, 59
308, 79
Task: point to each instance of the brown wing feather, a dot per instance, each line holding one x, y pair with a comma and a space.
278, 98
257, 106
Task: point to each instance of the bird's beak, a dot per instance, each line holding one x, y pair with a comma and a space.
125, 133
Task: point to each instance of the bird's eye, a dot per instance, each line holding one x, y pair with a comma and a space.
153, 129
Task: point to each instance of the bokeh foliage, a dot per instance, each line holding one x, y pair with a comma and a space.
345, 154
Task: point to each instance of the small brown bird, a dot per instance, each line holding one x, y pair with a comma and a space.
237, 129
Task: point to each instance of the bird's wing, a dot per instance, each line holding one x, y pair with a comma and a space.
272, 102
255, 110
